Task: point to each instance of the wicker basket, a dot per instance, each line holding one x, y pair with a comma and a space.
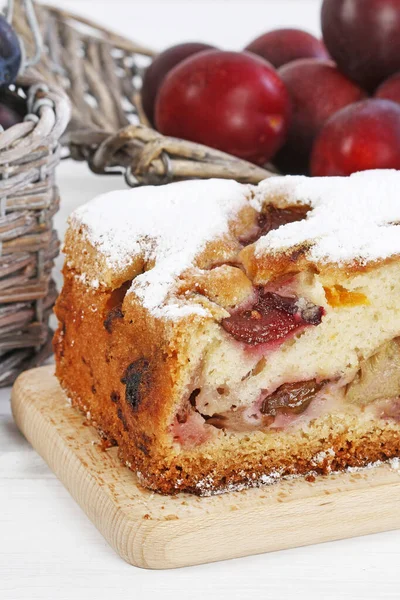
29, 153
102, 74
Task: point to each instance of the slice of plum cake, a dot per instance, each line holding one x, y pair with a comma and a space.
225, 335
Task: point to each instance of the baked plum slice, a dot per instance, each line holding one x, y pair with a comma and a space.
272, 318
272, 218
291, 398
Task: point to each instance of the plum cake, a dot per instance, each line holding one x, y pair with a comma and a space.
225, 335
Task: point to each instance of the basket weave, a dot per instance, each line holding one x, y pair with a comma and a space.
102, 74
29, 153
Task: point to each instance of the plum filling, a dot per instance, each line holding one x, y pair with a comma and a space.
241, 420
272, 318
288, 401
291, 398
375, 389
272, 218
374, 392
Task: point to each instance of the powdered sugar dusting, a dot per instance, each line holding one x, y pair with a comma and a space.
169, 225
354, 218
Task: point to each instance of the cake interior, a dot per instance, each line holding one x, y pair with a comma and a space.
345, 363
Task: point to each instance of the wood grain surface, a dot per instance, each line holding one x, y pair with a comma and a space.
153, 531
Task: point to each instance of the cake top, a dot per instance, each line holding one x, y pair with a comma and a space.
354, 218
171, 224
351, 219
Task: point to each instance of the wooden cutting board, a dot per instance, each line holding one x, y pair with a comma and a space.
153, 531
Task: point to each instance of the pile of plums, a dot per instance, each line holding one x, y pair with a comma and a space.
309, 106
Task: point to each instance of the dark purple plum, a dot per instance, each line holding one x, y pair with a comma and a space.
363, 37
282, 46
12, 108
233, 101
390, 89
160, 67
362, 136
317, 91
10, 53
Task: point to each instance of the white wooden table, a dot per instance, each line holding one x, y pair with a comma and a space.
48, 548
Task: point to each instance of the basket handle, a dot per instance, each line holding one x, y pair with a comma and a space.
31, 18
